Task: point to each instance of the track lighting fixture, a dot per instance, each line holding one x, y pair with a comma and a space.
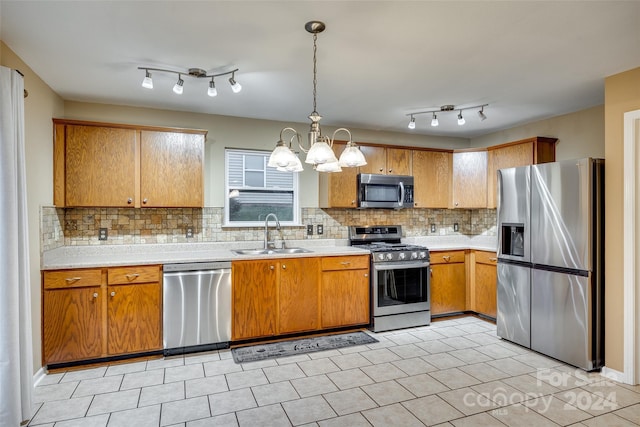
319, 147
197, 73
212, 91
481, 115
412, 123
445, 109
178, 88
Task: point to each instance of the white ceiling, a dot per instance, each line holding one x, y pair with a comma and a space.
377, 60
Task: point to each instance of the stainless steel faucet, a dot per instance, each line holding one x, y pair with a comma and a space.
267, 243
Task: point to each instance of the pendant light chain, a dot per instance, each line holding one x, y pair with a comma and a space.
315, 71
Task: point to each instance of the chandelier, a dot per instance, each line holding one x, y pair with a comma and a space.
446, 109
319, 147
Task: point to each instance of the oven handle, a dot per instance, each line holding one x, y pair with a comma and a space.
400, 265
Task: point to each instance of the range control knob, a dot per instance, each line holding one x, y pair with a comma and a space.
401, 255
381, 257
423, 255
414, 255
389, 256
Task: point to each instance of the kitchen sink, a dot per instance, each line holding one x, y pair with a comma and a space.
270, 251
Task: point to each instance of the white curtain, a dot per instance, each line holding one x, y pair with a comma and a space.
16, 353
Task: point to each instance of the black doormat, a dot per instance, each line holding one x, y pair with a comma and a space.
301, 346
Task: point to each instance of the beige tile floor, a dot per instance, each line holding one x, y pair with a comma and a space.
455, 372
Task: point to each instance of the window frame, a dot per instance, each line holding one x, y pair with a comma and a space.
226, 222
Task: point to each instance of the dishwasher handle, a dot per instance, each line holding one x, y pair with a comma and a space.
197, 266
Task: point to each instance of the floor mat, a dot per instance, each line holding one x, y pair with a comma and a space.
306, 345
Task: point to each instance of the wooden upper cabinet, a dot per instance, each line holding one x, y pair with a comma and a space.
110, 165
99, 164
386, 160
529, 151
338, 190
171, 169
470, 179
432, 178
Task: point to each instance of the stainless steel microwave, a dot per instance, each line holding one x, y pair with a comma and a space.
385, 191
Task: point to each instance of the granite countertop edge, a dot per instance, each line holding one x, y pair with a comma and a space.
92, 256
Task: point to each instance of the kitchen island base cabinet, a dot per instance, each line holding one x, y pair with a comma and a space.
345, 291
100, 312
448, 282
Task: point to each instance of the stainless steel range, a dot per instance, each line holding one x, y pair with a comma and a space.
400, 278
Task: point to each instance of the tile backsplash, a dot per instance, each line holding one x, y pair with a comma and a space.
126, 226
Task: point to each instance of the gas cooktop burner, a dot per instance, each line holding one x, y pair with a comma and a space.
384, 244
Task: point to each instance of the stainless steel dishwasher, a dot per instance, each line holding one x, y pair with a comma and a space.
196, 306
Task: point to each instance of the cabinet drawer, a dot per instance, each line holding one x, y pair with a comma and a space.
446, 257
72, 278
345, 262
486, 257
139, 274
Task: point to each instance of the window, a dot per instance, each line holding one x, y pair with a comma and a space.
254, 190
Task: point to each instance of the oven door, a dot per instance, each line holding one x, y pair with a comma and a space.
400, 287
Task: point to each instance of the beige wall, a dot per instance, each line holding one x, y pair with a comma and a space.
238, 132
39, 107
622, 94
580, 134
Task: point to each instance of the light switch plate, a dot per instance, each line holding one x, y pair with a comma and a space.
103, 234
310, 230
433, 228
189, 233
456, 228
320, 228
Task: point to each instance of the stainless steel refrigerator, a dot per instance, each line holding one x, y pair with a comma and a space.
551, 261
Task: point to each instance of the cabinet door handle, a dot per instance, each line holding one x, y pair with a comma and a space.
113, 293
353, 202
390, 170
345, 262
129, 200
284, 266
72, 279
271, 267
446, 257
456, 203
145, 200
381, 170
366, 275
95, 295
493, 259
131, 276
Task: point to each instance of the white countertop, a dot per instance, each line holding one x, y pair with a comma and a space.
169, 253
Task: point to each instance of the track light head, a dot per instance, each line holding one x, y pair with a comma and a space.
235, 86
148, 81
461, 120
178, 88
212, 91
482, 115
412, 123
434, 120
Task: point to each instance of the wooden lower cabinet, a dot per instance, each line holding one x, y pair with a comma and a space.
484, 283
96, 313
448, 282
298, 295
345, 291
254, 298
289, 295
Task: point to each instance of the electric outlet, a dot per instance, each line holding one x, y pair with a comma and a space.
310, 230
456, 228
320, 228
433, 228
103, 234
189, 233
